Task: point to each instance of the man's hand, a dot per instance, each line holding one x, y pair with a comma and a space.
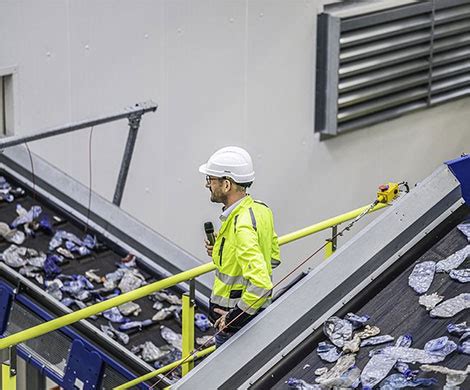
220, 323
208, 245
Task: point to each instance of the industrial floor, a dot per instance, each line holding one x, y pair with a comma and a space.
395, 310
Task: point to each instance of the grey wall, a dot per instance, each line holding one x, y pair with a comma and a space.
223, 72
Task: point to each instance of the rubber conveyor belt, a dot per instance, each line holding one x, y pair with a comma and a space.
395, 310
104, 261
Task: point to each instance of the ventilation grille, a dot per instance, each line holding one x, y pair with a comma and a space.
381, 65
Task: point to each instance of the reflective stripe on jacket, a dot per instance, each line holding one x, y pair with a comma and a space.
245, 252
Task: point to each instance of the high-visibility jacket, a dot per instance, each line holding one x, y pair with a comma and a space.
245, 252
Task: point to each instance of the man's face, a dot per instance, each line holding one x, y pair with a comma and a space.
216, 186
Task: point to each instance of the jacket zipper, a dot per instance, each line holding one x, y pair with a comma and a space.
221, 249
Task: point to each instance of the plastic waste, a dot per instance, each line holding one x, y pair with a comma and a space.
422, 276
376, 369
45, 223
328, 352
458, 329
26, 216
464, 348
114, 315
37, 261
348, 379
129, 308
294, 383
404, 369
453, 261
440, 346
171, 337
135, 324
171, 357
92, 276
321, 371
352, 345
357, 321
341, 366
51, 268
112, 279
461, 275
157, 305
130, 281
11, 235
338, 330
166, 297
205, 340
453, 377
369, 331
129, 261
53, 288
452, 306
31, 272
149, 351
65, 253
465, 229
14, 256
165, 313
377, 340
202, 322
114, 333
400, 381
430, 301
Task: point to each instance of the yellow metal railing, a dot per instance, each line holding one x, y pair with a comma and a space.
188, 305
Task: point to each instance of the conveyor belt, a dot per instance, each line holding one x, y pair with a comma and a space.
104, 260
395, 310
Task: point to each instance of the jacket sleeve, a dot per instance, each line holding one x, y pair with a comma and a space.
276, 253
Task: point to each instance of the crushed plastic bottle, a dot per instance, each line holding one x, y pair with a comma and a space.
114, 333
205, 340
171, 357
441, 346
171, 337
92, 276
352, 345
53, 288
149, 351
400, 381
404, 369
422, 276
129, 308
348, 379
131, 281
377, 340
300, 384
14, 256
452, 306
465, 229
114, 315
453, 261
321, 371
430, 301
342, 365
328, 352
166, 313
112, 279
51, 268
464, 348
26, 216
357, 321
163, 296
369, 331
454, 378
136, 325
202, 322
11, 235
461, 275
157, 305
458, 329
338, 330
376, 369
404, 341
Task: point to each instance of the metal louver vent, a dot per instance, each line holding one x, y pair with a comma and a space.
381, 65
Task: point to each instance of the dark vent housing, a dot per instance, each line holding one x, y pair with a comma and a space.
381, 65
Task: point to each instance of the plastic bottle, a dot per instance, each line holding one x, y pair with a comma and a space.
461, 275
399, 381
422, 276
338, 330
451, 307
171, 337
453, 261
376, 369
328, 352
377, 340
357, 321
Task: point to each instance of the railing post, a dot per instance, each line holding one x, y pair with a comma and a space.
188, 327
331, 242
9, 370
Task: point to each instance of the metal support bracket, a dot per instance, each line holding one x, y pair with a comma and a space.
9, 370
332, 242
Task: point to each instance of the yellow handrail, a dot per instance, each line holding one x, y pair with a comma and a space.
141, 292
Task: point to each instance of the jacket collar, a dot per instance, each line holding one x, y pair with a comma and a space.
244, 203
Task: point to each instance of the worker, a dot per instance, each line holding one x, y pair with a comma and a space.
246, 248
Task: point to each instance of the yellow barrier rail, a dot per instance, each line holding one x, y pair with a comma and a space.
184, 276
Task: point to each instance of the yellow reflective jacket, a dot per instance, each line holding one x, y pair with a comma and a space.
245, 252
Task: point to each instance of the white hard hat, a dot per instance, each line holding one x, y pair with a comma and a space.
231, 161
